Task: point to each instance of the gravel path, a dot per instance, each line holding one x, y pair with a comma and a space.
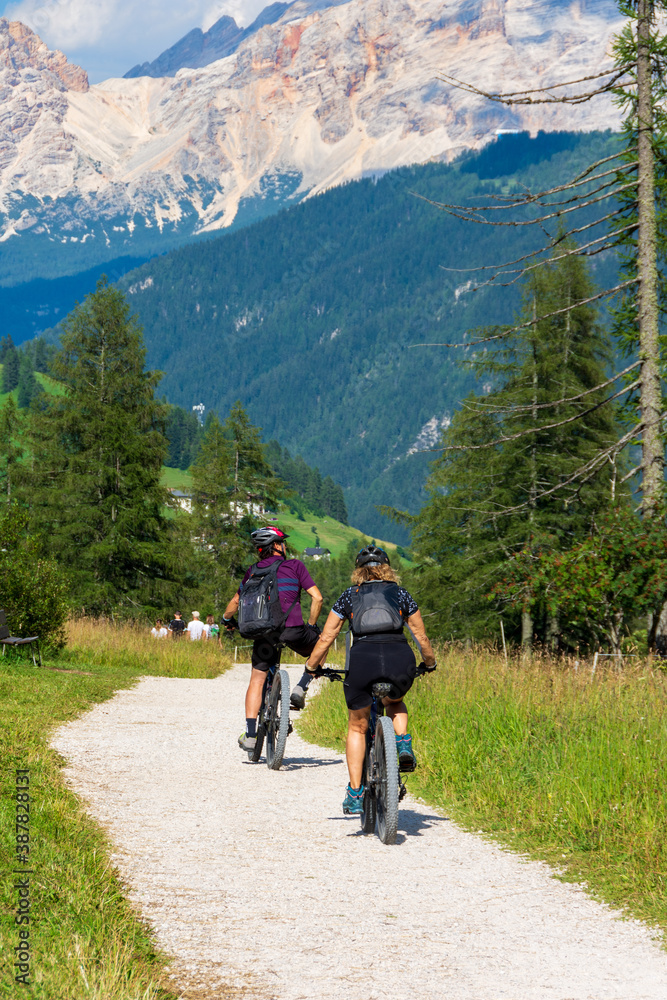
259, 886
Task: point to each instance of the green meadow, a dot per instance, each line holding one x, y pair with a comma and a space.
550, 759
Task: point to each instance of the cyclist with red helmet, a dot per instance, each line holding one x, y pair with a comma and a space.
377, 609
292, 578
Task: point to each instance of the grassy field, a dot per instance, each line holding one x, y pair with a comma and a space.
176, 479
332, 534
85, 939
555, 762
50, 386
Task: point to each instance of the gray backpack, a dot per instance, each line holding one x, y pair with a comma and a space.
376, 609
260, 615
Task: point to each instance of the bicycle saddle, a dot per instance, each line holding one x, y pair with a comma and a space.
385, 689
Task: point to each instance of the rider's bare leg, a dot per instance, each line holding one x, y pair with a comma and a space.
398, 714
253, 698
355, 748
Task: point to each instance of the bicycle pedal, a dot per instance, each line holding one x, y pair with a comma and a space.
290, 729
402, 792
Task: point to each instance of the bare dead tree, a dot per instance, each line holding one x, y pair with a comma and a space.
637, 81
622, 189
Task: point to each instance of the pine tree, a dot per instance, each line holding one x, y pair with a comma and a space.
41, 355
253, 481
313, 491
12, 471
27, 385
98, 453
10, 367
505, 449
183, 431
339, 509
231, 481
6, 344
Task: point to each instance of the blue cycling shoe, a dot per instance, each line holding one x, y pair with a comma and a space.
353, 803
407, 761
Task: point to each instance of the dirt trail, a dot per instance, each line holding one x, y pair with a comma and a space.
254, 878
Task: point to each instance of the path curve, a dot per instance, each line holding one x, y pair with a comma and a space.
254, 879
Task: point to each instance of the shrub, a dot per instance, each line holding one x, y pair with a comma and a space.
33, 589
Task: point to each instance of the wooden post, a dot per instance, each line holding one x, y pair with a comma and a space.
502, 633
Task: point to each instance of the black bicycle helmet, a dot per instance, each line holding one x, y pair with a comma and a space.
372, 556
264, 537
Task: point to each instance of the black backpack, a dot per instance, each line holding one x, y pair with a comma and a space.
260, 614
375, 609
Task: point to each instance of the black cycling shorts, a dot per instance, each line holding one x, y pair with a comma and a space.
372, 661
300, 638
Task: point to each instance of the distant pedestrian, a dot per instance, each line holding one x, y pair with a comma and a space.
196, 628
212, 630
159, 631
177, 626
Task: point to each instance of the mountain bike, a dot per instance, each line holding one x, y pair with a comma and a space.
383, 785
273, 721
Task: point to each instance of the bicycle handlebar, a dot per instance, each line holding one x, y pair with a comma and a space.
333, 675
336, 675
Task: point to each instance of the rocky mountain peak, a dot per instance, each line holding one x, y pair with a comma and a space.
200, 48
322, 93
22, 50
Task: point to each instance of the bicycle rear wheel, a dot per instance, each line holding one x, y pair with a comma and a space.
277, 727
386, 761
368, 814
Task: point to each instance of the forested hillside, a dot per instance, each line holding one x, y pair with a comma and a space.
311, 317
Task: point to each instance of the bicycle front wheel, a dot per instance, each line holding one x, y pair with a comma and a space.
255, 754
386, 762
277, 723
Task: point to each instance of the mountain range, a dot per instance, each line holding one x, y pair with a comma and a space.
324, 93
199, 48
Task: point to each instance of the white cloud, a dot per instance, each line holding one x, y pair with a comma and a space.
244, 12
108, 37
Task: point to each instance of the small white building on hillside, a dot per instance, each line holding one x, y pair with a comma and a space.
316, 554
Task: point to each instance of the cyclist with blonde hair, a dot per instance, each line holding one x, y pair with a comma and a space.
377, 608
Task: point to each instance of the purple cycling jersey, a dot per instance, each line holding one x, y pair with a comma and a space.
293, 577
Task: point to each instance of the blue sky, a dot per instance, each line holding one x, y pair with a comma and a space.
108, 37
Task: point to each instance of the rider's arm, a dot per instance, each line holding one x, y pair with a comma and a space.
332, 627
316, 602
232, 607
416, 623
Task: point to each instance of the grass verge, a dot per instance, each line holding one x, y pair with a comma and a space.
85, 939
565, 765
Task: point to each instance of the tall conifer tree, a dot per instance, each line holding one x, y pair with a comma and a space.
508, 447
98, 452
10, 366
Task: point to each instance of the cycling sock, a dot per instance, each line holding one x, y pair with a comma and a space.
305, 680
251, 727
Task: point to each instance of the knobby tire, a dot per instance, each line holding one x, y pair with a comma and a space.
278, 720
388, 781
255, 754
368, 814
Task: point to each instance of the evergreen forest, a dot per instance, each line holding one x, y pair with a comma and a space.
311, 317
